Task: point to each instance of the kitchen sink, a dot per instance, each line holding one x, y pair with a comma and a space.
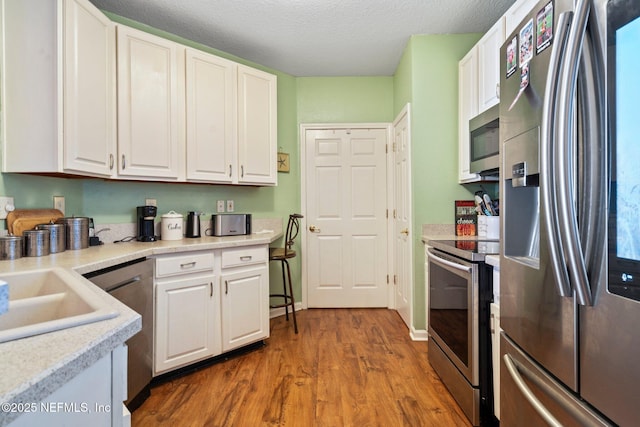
42, 301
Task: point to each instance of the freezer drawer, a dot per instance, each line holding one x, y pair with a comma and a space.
531, 397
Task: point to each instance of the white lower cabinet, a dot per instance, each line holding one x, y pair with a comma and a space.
94, 397
187, 310
208, 303
244, 284
187, 327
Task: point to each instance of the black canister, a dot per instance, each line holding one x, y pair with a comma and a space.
57, 236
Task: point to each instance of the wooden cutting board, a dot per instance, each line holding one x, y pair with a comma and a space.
20, 220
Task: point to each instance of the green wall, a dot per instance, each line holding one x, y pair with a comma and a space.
345, 99
426, 76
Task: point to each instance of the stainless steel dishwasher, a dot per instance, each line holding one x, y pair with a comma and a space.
132, 284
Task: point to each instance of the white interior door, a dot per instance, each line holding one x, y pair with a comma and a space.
346, 236
403, 279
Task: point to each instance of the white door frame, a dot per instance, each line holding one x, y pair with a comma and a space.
303, 198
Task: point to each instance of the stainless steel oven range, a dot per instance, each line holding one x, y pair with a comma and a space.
460, 294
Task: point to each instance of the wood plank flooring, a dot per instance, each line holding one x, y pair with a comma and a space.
346, 367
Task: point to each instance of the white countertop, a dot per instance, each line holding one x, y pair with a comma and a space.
34, 367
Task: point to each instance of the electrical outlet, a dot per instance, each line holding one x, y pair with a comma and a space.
58, 203
229, 205
150, 202
6, 206
220, 206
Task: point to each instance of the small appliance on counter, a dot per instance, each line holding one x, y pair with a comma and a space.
193, 224
146, 225
231, 224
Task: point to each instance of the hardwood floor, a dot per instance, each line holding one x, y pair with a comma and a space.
346, 367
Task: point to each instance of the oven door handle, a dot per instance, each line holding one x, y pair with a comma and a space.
448, 263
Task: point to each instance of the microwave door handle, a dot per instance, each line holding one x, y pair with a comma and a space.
547, 156
566, 154
448, 263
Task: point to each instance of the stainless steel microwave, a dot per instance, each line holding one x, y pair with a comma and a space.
484, 142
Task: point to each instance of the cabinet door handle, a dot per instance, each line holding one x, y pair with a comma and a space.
111, 161
124, 163
245, 258
498, 90
241, 171
230, 171
210, 289
188, 264
226, 287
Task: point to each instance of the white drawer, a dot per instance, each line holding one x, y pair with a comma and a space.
244, 256
184, 264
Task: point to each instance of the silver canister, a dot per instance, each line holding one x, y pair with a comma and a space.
57, 236
76, 232
36, 242
11, 247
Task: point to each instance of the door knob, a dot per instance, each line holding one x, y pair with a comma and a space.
405, 232
314, 229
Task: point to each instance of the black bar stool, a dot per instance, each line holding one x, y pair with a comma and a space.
283, 255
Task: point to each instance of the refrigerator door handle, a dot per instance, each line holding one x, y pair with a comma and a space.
547, 157
592, 199
565, 155
528, 394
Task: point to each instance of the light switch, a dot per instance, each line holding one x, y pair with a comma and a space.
229, 205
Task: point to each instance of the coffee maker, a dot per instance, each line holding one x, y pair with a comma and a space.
146, 224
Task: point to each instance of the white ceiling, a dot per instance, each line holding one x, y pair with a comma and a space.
312, 37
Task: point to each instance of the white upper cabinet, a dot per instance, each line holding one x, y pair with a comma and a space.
257, 126
489, 66
516, 13
231, 121
211, 117
58, 88
150, 106
467, 108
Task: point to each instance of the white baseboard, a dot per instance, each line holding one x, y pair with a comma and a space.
275, 312
419, 334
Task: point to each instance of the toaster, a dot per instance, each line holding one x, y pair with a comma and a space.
231, 224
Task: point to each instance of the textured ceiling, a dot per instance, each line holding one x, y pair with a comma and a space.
312, 37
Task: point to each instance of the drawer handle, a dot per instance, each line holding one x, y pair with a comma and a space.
188, 264
226, 287
245, 258
210, 289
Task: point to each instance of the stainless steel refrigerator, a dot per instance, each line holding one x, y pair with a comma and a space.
570, 200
